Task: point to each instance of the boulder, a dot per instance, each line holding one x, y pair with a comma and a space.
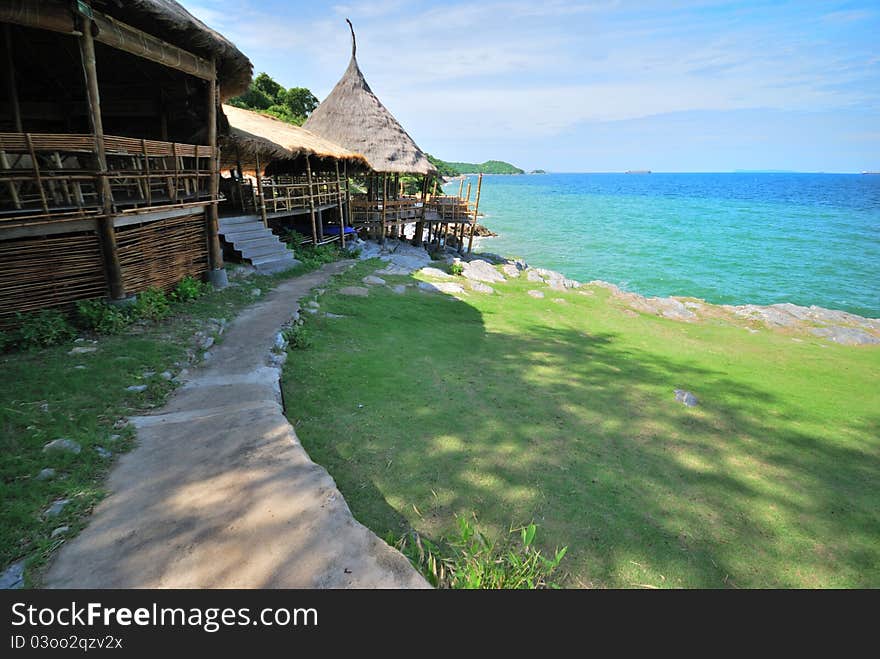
56, 508
480, 270
82, 350
448, 287
437, 273
372, 280
46, 474
538, 295
12, 577
510, 270
480, 287
136, 388
354, 291
686, 398
62, 445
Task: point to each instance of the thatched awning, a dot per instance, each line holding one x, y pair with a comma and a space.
169, 21
251, 133
355, 118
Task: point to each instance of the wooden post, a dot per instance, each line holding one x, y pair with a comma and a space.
434, 193
420, 226
312, 202
476, 210
347, 195
215, 254
339, 208
10, 77
260, 191
105, 222
384, 204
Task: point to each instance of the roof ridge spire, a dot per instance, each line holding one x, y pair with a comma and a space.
354, 45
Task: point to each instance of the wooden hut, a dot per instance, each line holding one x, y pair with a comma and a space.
281, 177
355, 118
108, 149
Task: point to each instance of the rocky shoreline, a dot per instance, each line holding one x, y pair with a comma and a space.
836, 326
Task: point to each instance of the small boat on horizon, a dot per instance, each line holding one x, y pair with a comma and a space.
638, 171
875, 173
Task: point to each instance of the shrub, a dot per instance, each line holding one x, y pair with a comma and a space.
473, 561
101, 317
151, 304
190, 289
6, 341
297, 337
44, 328
456, 269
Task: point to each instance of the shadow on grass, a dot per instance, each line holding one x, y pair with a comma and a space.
433, 415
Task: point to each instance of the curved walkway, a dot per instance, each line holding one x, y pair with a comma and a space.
219, 493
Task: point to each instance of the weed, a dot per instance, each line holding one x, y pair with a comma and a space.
475, 562
297, 337
101, 317
151, 304
190, 289
456, 269
44, 328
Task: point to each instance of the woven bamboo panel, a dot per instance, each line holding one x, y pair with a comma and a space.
86, 143
51, 271
162, 253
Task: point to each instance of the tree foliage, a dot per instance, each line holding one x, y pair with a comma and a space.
265, 95
446, 168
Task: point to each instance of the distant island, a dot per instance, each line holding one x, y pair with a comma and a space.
538, 171
447, 168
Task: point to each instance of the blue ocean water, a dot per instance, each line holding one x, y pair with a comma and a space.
727, 238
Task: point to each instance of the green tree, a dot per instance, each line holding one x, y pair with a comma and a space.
300, 101
269, 87
292, 105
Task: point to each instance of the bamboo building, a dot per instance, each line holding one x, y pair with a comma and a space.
108, 149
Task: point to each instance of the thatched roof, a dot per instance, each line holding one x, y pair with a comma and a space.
353, 117
169, 21
251, 133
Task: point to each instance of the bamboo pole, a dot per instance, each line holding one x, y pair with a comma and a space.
420, 226
384, 204
476, 211
10, 77
312, 202
261, 195
106, 230
347, 195
339, 208
215, 254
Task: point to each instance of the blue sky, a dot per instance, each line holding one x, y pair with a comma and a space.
673, 85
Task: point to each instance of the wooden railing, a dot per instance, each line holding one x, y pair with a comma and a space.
292, 193
56, 176
450, 208
396, 211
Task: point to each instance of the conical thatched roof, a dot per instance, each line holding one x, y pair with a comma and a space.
353, 117
251, 133
168, 20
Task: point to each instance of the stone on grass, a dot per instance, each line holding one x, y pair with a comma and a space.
480, 287
372, 280
327, 314
538, 295
256, 292
480, 270
398, 289
12, 577
115, 438
46, 474
61, 530
686, 398
510, 270
848, 336
532, 275
166, 375
148, 374
434, 272
448, 287
136, 388
354, 291
79, 367
82, 350
56, 508
313, 304
104, 453
205, 342
62, 445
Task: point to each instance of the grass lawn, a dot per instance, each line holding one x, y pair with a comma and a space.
44, 396
561, 411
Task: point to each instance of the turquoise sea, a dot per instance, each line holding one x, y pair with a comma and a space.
811, 239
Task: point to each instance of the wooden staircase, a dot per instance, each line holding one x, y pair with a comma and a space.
257, 244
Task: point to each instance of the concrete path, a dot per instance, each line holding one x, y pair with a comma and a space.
219, 493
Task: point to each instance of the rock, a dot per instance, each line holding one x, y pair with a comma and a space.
120, 424
82, 350
491, 258
12, 577
398, 289
332, 315
354, 291
256, 292
104, 453
46, 474
313, 304
320, 291
434, 272
56, 508
148, 374
280, 342
559, 300
137, 388
392, 270
538, 295
277, 359
207, 356
448, 287
372, 280
510, 270
848, 336
480, 270
115, 438
61, 530
62, 445
79, 367
686, 398
534, 276
180, 377
480, 287
311, 311
205, 342
166, 375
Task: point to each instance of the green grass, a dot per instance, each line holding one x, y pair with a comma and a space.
43, 396
424, 408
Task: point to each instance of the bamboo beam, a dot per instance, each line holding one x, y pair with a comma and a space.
476, 210
105, 222
260, 191
347, 194
420, 226
339, 208
10, 78
384, 204
311, 202
215, 254
36, 167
